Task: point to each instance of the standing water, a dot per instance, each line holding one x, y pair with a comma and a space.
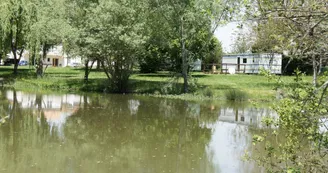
123, 133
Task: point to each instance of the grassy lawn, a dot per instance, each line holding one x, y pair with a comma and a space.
71, 79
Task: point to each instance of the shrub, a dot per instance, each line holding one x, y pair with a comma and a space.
235, 95
207, 92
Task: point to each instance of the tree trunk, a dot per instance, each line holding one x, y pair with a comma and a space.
39, 70
315, 70
98, 65
33, 55
86, 71
320, 66
15, 67
14, 51
184, 59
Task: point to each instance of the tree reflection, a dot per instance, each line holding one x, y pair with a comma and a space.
150, 141
114, 133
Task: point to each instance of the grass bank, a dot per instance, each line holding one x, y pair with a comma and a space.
209, 86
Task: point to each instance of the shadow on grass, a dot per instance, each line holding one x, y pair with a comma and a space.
60, 76
221, 87
61, 73
167, 75
93, 85
92, 70
6, 72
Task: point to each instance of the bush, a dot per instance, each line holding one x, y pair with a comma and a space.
172, 87
149, 65
207, 92
235, 95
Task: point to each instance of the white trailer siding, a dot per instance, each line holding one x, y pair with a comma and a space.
252, 63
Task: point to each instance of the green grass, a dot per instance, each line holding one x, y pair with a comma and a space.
236, 95
210, 86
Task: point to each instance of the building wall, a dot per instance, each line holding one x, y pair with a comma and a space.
55, 52
252, 63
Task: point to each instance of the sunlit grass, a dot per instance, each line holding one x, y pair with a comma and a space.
216, 85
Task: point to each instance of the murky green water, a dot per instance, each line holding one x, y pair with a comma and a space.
122, 134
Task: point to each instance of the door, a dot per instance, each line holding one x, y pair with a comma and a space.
238, 64
55, 62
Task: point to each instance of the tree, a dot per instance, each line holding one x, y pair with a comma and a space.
244, 39
189, 18
118, 35
300, 132
16, 21
165, 55
79, 45
213, 53
50, 27
305, 24
4, 43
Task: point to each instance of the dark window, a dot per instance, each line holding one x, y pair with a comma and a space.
244, 60
48, 59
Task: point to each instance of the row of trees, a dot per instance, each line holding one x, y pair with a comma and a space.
116, 33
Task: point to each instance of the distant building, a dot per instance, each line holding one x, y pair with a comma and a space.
55, 57
252, 63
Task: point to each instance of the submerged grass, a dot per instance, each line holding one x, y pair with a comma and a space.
210, 86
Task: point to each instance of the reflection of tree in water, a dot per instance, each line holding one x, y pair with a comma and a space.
150, 141
4, 107
115, 133
21, 137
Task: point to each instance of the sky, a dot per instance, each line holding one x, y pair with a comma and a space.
225, 35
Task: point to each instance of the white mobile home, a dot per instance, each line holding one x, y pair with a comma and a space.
252, 63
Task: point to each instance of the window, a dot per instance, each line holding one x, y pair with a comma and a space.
244, 60
48, 59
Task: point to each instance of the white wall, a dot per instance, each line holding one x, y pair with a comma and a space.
254, 62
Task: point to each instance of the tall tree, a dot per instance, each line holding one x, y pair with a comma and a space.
79, 45
4, 43
118, 34
189, 18
50, 27
244, 38
16, 23
306, 23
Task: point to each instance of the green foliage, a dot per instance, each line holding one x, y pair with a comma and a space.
190, 27
244, 40
213, 53
118, 36
300, 131
294, 27
236, 95
271, 36
207, 92
152, 59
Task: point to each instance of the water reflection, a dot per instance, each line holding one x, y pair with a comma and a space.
245, 115
116, 133
55, 108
